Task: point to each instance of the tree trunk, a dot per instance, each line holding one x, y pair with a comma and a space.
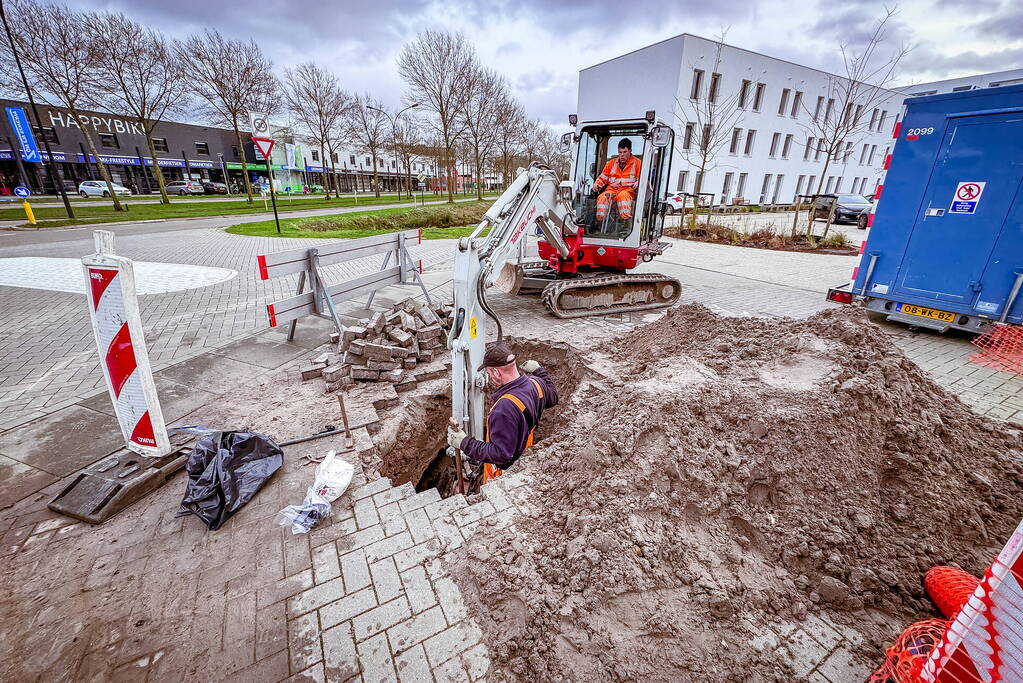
376, 174
103, 172
245, 165
326, 176
479, 186
157, 172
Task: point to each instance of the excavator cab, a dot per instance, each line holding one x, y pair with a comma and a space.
633, 218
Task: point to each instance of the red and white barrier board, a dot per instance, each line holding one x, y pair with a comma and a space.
985, 641
117, 324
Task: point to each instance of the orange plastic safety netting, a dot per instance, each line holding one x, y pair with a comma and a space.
1001, 349
904, 660
949, 588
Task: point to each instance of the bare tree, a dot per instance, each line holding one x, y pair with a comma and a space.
436, 67
487, 93
841, 114
548, 149
59, 59
711, 120
231, 78
137, 74
315, 98
370, 128
511, 128
408, 142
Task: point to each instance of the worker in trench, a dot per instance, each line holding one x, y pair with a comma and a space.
620, 177
518, 402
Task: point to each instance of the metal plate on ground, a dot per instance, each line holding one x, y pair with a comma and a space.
103, 489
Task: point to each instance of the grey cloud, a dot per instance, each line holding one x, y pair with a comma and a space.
1007, 23
932, 63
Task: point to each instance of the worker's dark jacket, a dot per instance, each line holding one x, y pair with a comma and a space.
510, 423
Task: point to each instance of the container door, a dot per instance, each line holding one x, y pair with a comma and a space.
968, 199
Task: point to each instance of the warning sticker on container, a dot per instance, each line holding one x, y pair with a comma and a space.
967, 197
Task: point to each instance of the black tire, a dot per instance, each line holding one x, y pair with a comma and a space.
84, 195
106, 195
182, 193
861, 222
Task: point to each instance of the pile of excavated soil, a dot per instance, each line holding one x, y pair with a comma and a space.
734, 473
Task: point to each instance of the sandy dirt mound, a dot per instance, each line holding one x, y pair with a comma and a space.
736, 472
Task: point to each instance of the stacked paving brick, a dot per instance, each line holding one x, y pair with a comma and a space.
394, 347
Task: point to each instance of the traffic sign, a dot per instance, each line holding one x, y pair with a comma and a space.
264, 145
967, 197
421, 177
22, 191
260, 123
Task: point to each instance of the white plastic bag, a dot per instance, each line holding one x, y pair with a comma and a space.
333, 476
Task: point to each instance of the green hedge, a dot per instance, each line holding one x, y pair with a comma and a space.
442, 216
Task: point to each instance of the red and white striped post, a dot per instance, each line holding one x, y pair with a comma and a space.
117, 324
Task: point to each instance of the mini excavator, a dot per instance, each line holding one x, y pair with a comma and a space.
584, 260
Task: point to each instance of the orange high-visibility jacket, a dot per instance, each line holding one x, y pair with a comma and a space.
616, 177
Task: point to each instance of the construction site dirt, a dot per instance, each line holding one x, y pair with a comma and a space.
717, 476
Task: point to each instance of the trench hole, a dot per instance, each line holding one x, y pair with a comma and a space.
419, 453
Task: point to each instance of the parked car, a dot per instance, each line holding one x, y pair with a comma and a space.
210, 187
183, 187
677, 201
98, 188
848, 209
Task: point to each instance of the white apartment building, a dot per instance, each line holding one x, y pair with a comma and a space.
988, 80
771, 154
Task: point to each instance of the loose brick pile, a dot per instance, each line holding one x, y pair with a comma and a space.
389, 347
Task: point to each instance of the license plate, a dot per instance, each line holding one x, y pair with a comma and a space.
932, 313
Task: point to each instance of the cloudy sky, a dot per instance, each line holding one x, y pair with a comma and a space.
540, 45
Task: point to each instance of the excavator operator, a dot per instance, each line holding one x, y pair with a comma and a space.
518, 403
621, 178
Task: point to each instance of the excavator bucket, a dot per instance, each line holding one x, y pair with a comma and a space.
509, 280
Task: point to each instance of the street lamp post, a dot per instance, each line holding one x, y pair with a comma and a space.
223, 169
394, 139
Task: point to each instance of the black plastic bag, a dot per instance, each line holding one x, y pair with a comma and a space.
225, 470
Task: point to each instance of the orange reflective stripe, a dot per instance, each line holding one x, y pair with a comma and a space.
536, 383
521, 406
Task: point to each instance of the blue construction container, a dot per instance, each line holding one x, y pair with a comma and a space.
945, 249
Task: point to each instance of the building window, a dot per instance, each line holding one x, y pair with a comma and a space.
687, 141
831, 181
873, 151
848, 152
369, 162
160, 144
765, 187
787, 146
741, 189
235, 152
333, 157
863, 154
783, 103
109, 141
698, 184
715, 86
926, 92
796, 101
47, 134
859, 115
820, 150
873, 118
682, 175
697, 84
351, 159
777, 188
758, 98
887, 151
775, 139
827, 109
807, 148
880, 123
996, 84
316, 155
817, 109
202, 148
809, 184
847, 117
838, 184
750, 137
726, 187
744, 93
705, 140
736, 137
799, 188
856, 186
394, 164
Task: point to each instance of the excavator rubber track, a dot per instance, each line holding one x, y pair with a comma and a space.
614, 293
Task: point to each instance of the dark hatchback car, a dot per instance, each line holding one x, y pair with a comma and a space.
210, 187
848, 210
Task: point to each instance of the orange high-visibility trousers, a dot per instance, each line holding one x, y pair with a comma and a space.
625, 197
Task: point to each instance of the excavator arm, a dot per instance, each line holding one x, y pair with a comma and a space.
533, 200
